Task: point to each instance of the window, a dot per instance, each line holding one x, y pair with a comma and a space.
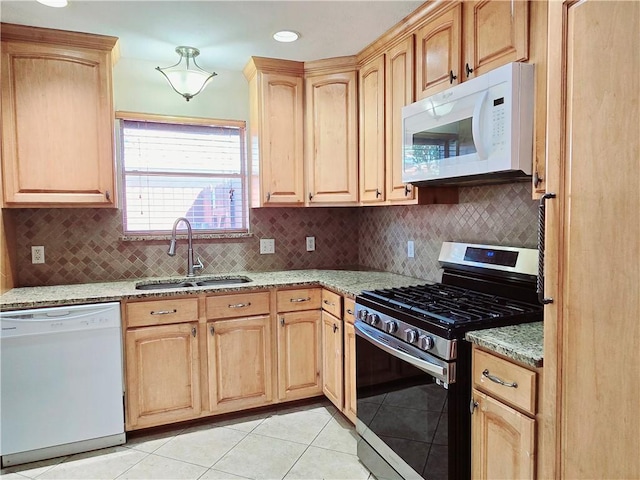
194, 168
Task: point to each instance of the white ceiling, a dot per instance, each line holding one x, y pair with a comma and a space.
226, 32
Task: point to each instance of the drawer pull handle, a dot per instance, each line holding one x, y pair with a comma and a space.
163, 312
327, 302
239, 305
349, 311
299, 300
497, 380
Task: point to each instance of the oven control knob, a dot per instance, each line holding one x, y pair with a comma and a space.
390, 326
426, 342
411, 335
373, 319
362, 315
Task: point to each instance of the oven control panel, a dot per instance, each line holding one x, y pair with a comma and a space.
427, 341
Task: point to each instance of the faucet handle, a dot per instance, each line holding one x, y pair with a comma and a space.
197, 264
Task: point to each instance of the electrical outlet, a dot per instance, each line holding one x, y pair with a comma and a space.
311, 244
37, 254
410, 249
267, 245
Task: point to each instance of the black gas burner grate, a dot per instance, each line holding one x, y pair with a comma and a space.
450, 304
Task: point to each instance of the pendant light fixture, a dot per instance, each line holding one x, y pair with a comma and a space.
186, 77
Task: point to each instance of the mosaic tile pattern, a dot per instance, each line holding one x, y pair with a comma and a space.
493, 215
84, 246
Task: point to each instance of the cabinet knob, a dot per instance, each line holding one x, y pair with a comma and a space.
107, 195
268, 196
452, 77
468, 70
537, 179
212, 330
282, 321
194, 331
407, 190
310, 196
335, 328
472, 405
378, 193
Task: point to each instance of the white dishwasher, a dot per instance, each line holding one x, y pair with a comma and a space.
61, 383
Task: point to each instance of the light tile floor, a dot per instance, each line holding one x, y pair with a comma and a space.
302, 442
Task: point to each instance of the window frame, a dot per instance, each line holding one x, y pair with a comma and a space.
241, 125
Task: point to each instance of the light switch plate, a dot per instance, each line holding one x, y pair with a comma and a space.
311, 244
267, 245
410, 249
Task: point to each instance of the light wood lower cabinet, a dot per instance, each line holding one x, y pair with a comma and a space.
239, 359
163, 374
299, 355
503, 424
349, 372
332, 359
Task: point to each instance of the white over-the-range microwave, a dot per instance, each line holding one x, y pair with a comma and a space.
480, 131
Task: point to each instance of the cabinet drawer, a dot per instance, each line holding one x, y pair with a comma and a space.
161, 312
489, 371
349, 310
299, 299
332, 303
238, 305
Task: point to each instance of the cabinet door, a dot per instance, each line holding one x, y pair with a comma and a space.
57, 126
495, 33
239, 355
331, 148
299, 355
591, 331
163, 374
438, 47
502, 441
332, 359
398, 93
372, 131
281, 144
350, 402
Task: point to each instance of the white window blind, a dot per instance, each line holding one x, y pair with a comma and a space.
176, 170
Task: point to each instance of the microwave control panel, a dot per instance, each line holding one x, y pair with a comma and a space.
498, 141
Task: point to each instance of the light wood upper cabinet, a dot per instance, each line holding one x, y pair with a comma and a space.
495, 33
399, 87
276, 130
331, 145
438, 53
372, 132
57, 118
503, 441
239, 355
299, 355
162, 374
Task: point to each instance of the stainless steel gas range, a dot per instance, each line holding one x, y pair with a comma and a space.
413, 367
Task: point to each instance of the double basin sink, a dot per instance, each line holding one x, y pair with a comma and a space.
210, 282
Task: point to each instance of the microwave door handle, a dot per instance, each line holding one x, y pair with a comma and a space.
475, 126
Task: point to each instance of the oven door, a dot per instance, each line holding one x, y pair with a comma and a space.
406, 412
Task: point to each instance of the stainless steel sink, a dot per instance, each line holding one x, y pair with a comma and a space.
209, 282
223, 281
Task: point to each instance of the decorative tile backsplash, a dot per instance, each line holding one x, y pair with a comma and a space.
83, 245
493, 215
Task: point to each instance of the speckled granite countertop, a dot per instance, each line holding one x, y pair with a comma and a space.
346, 282
522, 343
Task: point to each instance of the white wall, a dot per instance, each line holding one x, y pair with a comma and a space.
138, 87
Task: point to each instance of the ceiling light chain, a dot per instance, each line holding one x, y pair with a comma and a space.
188, 80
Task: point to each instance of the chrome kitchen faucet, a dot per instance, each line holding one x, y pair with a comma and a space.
193, 260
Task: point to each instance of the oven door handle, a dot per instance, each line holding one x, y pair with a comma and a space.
432, 368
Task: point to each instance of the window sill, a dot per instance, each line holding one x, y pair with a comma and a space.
196, 236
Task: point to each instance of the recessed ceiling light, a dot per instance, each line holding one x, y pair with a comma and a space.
286, 36
54, 3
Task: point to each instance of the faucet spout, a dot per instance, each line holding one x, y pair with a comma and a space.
193, 261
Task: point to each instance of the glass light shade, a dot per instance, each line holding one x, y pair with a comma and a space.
286, 36
54, 3
187, 78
